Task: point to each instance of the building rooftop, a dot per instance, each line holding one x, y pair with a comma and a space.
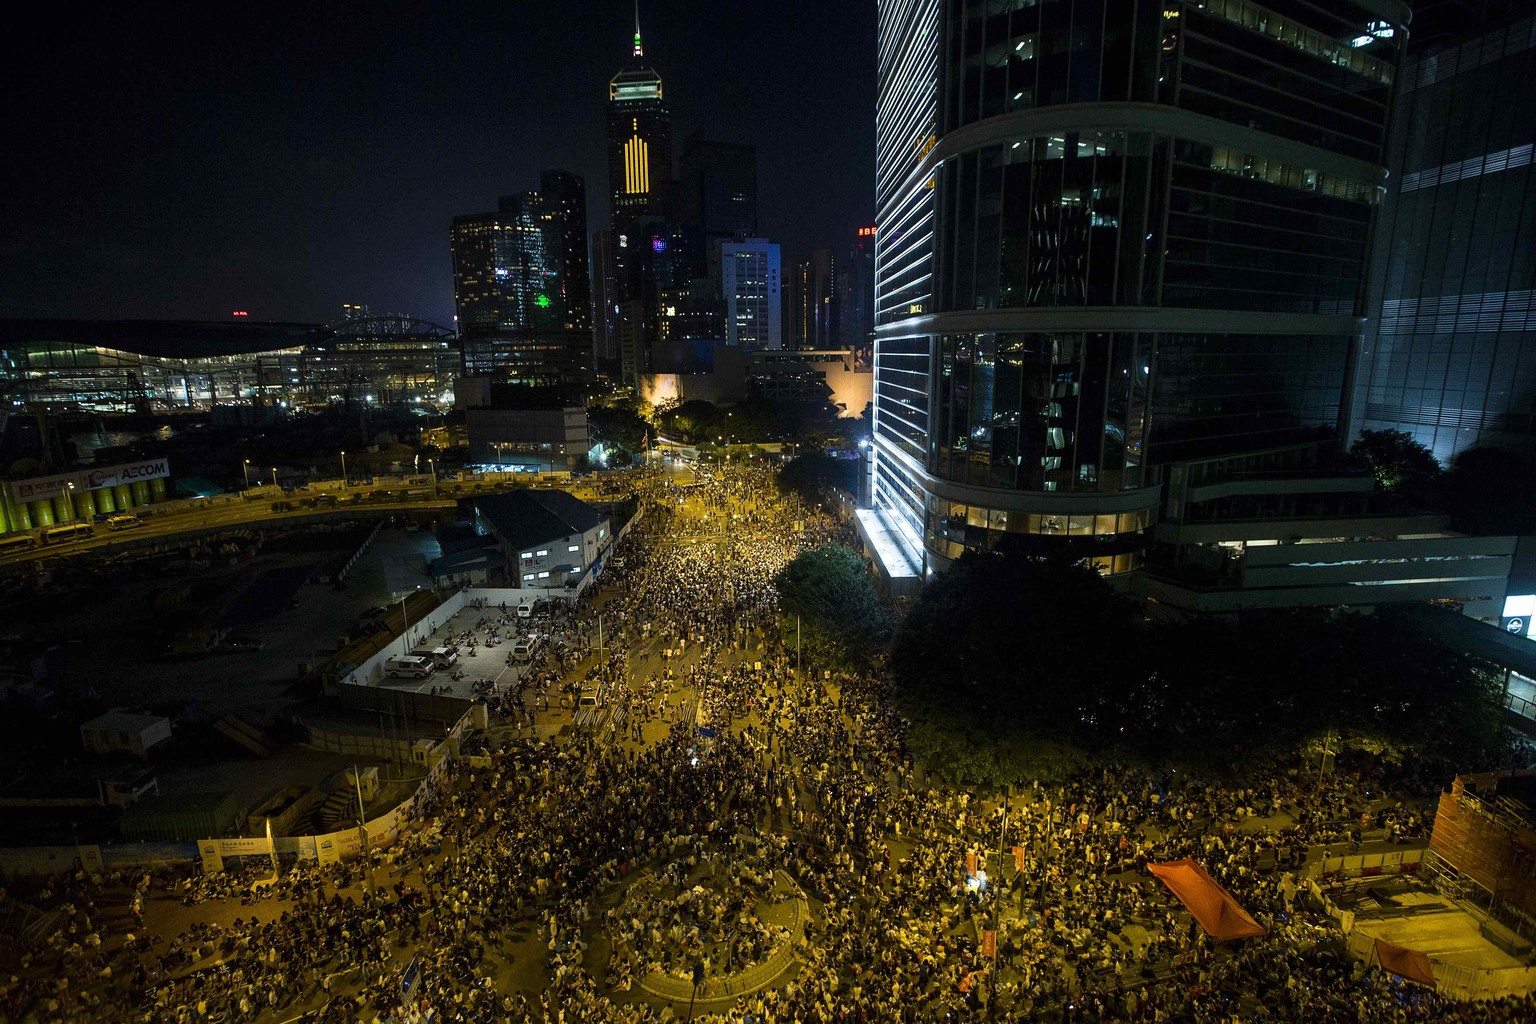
526, 518
123, 721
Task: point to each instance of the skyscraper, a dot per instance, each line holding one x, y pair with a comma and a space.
750, 287
605, 304
1450, 356
1104, 259
856, 293
814, 321
564, 197
719, 188
639, 141
521, 284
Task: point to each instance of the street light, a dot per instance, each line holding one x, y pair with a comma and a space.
245, 470
274, 476
344, 479
70, 497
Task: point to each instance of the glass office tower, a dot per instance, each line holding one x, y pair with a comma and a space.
1112, 236
1451, 357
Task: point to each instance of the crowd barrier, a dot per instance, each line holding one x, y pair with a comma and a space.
1367, 865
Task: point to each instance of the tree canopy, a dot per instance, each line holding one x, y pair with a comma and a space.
1002, 653
841, 618
1395, 459
812, 473
1014, 638
1487, 491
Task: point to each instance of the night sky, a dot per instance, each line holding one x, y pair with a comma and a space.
286, 158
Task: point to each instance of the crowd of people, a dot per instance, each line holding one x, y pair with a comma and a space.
550, 885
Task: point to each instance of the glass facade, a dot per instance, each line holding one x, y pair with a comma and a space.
1451, 357
1229, 164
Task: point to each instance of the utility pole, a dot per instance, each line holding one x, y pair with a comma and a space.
362, 823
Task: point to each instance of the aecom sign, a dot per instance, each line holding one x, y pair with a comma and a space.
91, 479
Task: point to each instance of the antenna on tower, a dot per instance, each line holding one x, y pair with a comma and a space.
639, 49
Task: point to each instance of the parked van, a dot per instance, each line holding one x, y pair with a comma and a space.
522, 649
442, 657
409, 666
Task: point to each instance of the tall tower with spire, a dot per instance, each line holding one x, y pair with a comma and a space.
639, 141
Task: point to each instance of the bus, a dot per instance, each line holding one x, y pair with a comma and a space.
67, 532
18, 542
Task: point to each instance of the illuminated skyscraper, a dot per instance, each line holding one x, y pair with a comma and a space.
1451, 354
521, 284
639, 141
1121, 254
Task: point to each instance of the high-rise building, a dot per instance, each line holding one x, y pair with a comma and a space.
605, 304
639, 141
1117, 238
856, 293
521, 284
751, 290
565, 199
1450, 356
813, 314
719, 188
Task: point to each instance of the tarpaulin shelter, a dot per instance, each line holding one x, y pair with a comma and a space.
1405, 963
1218, 913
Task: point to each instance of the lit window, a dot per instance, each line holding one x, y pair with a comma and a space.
527, 576
574, 547
543, 575
527, 554
541, 554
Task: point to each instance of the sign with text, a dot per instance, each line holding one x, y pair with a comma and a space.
39, 488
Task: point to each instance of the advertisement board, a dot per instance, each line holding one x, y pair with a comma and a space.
38, 488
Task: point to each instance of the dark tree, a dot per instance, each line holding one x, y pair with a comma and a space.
1016, 641
814, 473
1488, 491
841, 617
1395, 459
618, 428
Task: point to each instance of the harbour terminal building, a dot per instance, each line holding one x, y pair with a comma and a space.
169, 366
1120, 279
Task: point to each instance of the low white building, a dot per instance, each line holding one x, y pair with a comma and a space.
550, 539
125, 732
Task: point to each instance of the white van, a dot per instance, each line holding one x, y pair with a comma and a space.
409, 666
123, 521
523, 648
442, 657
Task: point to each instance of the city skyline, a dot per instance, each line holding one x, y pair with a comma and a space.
308, 160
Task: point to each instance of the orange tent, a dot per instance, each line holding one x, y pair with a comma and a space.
1405, 963
1211, 905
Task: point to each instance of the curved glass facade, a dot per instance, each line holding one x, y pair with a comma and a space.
1227, 163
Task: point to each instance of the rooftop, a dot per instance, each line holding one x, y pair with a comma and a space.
525, 518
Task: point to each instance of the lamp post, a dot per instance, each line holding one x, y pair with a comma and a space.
345, 480
274, 476
245, 470
69, 495
432, 465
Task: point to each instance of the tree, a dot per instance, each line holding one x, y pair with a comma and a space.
1487, 491
831, 591
1015, 641
810, 475
617, 428
1395, 459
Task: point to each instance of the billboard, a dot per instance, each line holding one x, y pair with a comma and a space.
42, 487
1518, 612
